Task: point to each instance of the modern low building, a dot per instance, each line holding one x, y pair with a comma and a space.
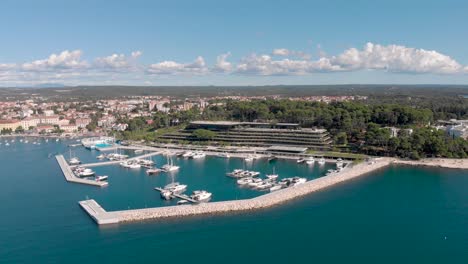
257, 134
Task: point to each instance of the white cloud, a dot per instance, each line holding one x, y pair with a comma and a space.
222, 65
293, 53
66, 60
397, 58
172, 67
136, 54
265, 65
117, 61
7, 66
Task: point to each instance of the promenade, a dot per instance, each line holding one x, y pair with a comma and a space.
259, 202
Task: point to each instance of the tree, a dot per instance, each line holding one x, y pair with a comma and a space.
19, 129
203, 134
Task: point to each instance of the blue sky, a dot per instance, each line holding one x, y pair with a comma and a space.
233, 42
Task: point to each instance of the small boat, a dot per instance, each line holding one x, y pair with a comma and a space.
100, 157
310, 160
255, 183
74, 161
182, 202
101, 178
166, 194
272, 158
300, 160
339, 163
248, 158
175, 187
272, 176
7, 144
153, 171
321, 161
188, 154
224, 155
245, 181
264, 185
169, 166
201, 196
198, 155
275, 188
86, 173
138, 151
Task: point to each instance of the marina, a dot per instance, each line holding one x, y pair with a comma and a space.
263, 201
71, 177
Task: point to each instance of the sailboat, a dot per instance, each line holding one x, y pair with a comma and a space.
272, 176
73, 160
169, 166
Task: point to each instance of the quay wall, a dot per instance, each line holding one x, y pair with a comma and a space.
259, 202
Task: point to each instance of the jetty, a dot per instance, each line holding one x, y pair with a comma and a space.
180, 196
263, 201
112, 162
71, 177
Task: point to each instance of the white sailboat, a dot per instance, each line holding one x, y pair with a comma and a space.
169, 166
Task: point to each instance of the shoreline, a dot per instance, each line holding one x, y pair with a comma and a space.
263, 201
436, 162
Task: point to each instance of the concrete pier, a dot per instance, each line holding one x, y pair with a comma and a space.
71, 177
112, 162
98, 213
259, 202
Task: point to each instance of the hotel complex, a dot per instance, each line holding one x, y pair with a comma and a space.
257, 134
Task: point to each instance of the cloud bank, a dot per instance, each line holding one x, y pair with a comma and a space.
71, 65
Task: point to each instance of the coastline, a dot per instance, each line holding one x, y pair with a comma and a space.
436, 162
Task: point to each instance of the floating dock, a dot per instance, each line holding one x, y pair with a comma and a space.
267, 200
71, 177
180, 196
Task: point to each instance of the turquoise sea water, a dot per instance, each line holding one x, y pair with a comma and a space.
397, 215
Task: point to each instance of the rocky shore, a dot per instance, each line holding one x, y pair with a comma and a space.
437, 162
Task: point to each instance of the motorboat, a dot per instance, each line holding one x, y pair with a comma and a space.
264, 185
198, 155
86, 173
188, 154
166, 194
297, 181
130, 164
176, 187
224, 155
249, 158
101, 178
300, 160
321, 161
182, 202
276, 187
201, 196
255, 183
339, 163
138, 151
245, 181
100, 157
237, 173
153, 171
310, 160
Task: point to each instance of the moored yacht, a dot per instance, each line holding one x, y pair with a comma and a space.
201, 196
153, 171
198, 155
101, 178
310, 160
321, 161
86, 173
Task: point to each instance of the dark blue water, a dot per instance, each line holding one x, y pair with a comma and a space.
398, 215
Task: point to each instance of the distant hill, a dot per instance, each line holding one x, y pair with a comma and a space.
94, 92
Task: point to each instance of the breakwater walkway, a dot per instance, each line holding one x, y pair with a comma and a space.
71, 177
259, 202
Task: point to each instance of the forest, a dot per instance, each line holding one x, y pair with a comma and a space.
354, 126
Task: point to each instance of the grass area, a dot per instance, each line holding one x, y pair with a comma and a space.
337, 154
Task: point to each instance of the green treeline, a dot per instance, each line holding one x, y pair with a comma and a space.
354, 126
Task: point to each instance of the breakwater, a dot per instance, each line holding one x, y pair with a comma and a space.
259, 202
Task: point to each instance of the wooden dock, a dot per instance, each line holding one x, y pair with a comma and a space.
71, 177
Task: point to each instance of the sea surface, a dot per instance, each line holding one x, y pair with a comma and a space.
400, 214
